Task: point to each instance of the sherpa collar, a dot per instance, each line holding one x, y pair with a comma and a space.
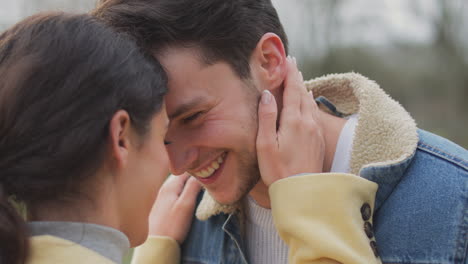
385, 134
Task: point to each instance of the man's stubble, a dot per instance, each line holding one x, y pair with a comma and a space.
248, 162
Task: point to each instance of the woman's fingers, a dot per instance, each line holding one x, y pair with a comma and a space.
297, 146
294, 95
307, 101
172, 212
267, 117
310, 108
291, 96
188, 196
267, 138
175, 184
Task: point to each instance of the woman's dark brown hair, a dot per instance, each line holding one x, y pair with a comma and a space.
62, 78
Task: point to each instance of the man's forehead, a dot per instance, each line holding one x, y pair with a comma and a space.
178, 106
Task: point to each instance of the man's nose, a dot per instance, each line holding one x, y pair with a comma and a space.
181, 157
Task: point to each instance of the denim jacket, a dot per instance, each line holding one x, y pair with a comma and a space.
421, 207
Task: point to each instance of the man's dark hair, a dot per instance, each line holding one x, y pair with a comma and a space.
223, 30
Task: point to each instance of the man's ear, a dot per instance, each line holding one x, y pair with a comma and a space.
120, 133
268, 62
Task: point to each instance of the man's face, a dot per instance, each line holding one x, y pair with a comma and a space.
213, 124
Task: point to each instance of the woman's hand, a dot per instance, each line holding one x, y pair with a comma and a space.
298, 145
172, 212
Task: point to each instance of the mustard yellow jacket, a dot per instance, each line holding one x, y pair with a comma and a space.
323, 218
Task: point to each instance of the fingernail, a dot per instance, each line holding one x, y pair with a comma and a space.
295, 61
266, 97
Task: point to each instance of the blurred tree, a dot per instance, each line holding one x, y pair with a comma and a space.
429, 78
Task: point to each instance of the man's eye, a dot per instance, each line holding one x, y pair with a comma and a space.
192, 117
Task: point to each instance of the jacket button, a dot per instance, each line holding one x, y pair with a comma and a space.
373, 246
366, 212
368, 230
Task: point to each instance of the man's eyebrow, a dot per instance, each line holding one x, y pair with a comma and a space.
185, 107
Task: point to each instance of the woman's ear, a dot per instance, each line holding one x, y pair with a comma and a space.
268, 62
120, 137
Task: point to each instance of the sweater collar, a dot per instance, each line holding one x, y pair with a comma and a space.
106, 241
385, 137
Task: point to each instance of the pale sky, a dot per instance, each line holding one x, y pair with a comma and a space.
10, 11
363, 21
368, 21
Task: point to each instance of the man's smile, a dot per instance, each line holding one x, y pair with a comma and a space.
207, 171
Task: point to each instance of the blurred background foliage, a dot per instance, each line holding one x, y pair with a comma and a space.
417, 50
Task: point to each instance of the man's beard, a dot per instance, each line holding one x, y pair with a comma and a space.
250, 171
252, 177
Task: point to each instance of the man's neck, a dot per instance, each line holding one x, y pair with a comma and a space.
332, 127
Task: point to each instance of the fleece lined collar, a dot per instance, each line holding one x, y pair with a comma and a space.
385, 134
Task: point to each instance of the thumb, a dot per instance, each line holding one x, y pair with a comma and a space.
267, 116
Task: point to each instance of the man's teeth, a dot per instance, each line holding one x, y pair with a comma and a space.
208, 171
